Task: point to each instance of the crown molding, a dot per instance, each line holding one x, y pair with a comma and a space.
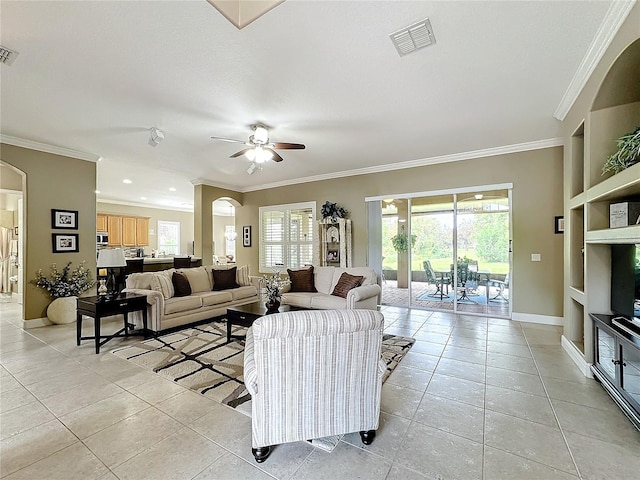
455, 157
211, 183
613, 20
144, 205
43, 147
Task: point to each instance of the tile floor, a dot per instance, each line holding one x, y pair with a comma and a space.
475, 398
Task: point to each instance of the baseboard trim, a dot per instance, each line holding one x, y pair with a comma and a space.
36, 322
535, 318
577, 356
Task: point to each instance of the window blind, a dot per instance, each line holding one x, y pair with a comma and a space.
286, 236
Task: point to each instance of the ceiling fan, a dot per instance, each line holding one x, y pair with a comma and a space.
260, 148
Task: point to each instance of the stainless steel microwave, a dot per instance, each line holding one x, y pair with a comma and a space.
102, 238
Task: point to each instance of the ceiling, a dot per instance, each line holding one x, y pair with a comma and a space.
94, 77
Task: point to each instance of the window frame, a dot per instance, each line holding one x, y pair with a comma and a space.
287, 243
173, 224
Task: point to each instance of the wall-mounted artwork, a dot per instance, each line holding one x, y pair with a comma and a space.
64, 219
64, 242
246, 236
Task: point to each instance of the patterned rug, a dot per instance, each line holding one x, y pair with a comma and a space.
200, 359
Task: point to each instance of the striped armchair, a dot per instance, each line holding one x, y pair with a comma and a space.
313, 374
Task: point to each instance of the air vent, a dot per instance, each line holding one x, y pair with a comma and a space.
413, 37
7, 56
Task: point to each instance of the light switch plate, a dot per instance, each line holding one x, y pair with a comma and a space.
536, 257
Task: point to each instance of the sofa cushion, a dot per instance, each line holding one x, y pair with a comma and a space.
328, 302
323, 280
181, 285
198, 279
182, 304
215, 298
370, 277
163, 282
346, 283
224, 279
243, 292
302, 280
299, 299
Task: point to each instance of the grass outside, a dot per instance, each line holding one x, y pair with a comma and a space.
444, 264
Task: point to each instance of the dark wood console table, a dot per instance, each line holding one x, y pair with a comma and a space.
617, 364
98, 307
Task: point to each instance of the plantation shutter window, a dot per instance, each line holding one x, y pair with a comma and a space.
286, 236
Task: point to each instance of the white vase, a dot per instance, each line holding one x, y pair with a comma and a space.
62, 310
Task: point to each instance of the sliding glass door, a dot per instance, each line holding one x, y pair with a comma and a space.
448, 251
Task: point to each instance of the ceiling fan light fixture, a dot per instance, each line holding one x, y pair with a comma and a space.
260, 135
156, 137
250, 154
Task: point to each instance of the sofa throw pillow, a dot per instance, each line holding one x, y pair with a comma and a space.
163, 282
302, 280
181, 285
346, 283
224, 279
198, 279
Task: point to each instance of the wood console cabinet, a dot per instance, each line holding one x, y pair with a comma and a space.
617, 365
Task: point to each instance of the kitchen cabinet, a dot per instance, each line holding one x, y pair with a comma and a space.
114, 227
129, 231
102, 223
142, 231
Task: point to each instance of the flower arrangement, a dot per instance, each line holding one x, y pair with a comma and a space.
66, 283
273, 285
333, 211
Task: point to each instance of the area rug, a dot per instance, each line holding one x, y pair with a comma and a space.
200, 359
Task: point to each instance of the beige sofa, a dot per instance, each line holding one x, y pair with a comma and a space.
168, 311
366, 296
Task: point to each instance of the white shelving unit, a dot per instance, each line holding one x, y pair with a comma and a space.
615, 112
335, 242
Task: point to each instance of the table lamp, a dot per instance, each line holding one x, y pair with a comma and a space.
111, 258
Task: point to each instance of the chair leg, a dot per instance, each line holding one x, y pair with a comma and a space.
261, 454
368, 436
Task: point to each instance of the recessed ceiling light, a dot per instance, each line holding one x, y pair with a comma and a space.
127, 181
143, 198
172, 189
478, 196
97, 191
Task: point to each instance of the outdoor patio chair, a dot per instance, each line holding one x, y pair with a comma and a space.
502, 285
467, 281
440, 282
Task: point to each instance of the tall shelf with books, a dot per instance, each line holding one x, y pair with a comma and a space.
614, 112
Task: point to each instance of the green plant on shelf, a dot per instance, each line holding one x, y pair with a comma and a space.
628, 153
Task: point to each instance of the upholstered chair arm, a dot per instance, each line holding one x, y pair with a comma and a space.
250, 373
361, 293
155, 300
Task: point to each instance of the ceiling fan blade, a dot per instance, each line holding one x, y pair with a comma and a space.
229, 140
240, 153
287, 146
276, 157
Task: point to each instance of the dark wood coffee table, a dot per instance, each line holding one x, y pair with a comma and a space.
245, 315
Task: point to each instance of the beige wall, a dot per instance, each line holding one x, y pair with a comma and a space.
537, 198
52, 181
156, 214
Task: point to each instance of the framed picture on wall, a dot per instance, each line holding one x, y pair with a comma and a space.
246, 236
64, 242
559, 225
64, 219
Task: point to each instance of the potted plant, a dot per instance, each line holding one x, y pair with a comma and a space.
273, 285
628, 153
330, 210
64, 287
400, 241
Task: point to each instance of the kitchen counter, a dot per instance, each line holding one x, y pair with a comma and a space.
157, 264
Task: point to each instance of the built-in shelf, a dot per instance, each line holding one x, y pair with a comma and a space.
613, 189
577, 294
629, 234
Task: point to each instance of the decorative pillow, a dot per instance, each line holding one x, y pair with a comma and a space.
224, 279
181, 285
198, 279
346, 283
163, 282
302, 280
242, 277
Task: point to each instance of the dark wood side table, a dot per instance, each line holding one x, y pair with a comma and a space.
98, 307
245, 315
